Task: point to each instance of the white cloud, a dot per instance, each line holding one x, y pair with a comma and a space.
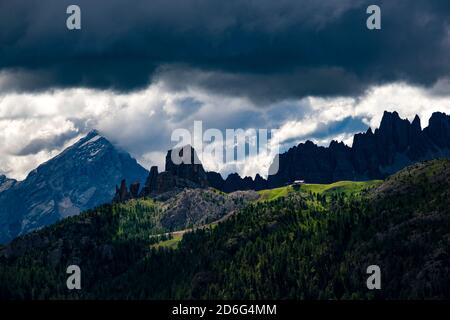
141, 122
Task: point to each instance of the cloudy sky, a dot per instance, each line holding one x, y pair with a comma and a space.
139, 69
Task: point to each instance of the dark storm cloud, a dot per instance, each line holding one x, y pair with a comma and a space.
47, 144
334, 128
266, 50
330, 130
265, 87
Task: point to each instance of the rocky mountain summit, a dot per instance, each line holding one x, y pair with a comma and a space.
188, 173
79, 178
402, 224
6, 183
184, 192
84, 175
396, 144
234, 182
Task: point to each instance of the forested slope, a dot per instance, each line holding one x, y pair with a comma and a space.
302, 245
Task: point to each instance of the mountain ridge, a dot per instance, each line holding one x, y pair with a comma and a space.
81, 177
77, 180
6, 183
310, 245
376, 154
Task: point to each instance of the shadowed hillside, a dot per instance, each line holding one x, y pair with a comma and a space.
300, 245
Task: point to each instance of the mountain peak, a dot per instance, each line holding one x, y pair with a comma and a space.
437, 117
439, 129
184, 153
374, 154
90, 147
93, 132
416, 123
192, 170
334, 144
393, 114
388, 119
82, 176
92, 135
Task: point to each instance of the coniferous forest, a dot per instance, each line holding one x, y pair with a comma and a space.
301, 244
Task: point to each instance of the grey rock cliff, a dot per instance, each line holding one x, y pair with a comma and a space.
188, 172
6, 183
396, 144
81, 177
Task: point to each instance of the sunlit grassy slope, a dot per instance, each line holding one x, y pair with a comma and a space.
301, 246
346, 187
171, 243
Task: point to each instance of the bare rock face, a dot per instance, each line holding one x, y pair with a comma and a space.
260, 183
196, 207
150, 183
81, 177
396, 144
438, 131
6, 183
188, 173
134, 190
215, 180
189, 166
122, 193
374, 155
235, 182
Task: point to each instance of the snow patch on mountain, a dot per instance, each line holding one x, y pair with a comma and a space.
91, 140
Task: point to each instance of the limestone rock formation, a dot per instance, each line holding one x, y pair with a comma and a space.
81, 177
183, 170
396, 144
